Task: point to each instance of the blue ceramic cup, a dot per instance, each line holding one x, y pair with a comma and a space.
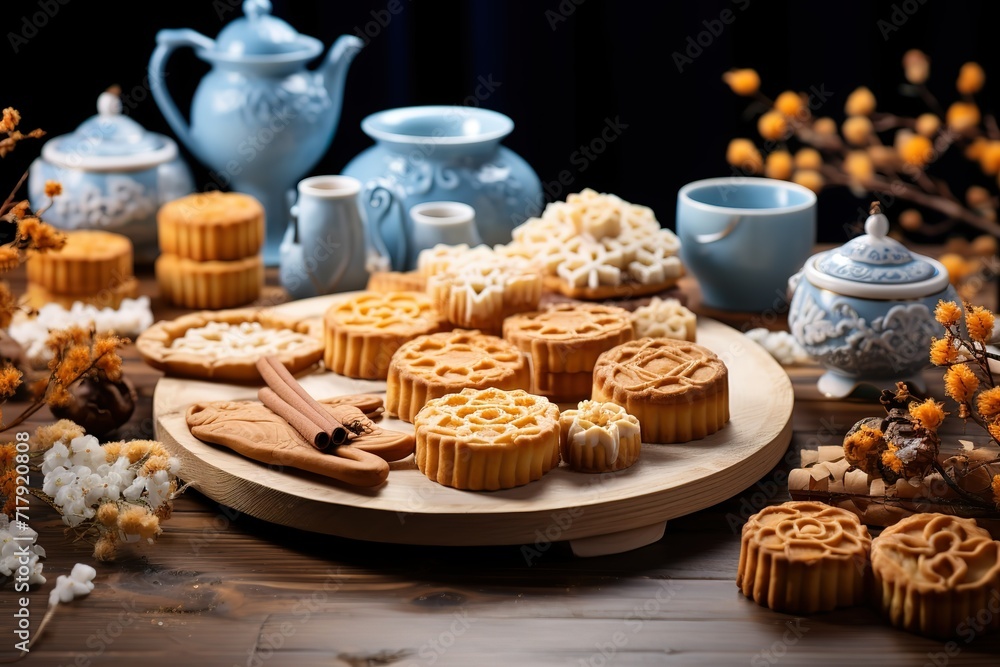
743, 238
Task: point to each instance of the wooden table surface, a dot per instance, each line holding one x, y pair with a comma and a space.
223, 589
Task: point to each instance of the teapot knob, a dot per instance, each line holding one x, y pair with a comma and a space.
254, 9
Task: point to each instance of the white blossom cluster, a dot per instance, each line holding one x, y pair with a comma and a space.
79, 582
130, 319
781, 345
79, 478
16, 539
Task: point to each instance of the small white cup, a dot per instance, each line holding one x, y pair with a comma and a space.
448, 222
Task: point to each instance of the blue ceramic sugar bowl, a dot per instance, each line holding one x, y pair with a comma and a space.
865, 311
114, 176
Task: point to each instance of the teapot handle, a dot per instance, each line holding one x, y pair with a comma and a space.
166, 42
378, 196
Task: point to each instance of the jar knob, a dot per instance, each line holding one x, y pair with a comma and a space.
877, 225
109, 103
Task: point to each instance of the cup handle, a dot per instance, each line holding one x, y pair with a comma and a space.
730, 227
377, 196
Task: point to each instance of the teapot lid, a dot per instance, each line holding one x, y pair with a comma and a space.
876, 266
109, 141
259, 34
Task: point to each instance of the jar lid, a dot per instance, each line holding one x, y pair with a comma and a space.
876, 266
109, 141
258, 34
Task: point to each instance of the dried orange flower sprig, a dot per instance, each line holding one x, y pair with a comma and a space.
877, 151
76, 353
905, 444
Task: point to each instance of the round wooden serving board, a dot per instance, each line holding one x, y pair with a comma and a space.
596, 513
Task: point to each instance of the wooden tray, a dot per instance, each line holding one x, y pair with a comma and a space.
597, 514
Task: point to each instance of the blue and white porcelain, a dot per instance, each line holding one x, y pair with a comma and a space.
114, 176
259, 119
326, 248
443, 153
865, 311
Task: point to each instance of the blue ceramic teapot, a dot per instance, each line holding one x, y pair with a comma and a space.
259, 119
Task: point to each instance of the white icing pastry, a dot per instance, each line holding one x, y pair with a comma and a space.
595, 240
595, 425
218, 340
664, 318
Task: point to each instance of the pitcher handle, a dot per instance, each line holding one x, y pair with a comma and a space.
378, 196
166, 42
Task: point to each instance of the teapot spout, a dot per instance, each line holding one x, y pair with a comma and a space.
334, 67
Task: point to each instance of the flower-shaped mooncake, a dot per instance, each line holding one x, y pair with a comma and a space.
935, 572
804, 557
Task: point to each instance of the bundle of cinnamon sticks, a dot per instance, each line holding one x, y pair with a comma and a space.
284, 396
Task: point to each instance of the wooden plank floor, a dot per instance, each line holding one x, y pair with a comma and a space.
223, 589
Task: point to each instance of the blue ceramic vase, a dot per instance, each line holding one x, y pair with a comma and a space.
442, 153
259, 119
865, 311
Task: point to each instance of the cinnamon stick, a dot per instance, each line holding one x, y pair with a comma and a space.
284, 384
305, 427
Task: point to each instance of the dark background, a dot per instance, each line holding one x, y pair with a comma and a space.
564, 69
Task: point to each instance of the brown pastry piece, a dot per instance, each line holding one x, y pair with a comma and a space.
562, 387
628, 290
487, 439
92, 261
225, 345
679, 391
250, 429
211, 226
445, 363
803, 557
212, 284
364, 330
568, 338
564, 342
935, 574
396, 281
